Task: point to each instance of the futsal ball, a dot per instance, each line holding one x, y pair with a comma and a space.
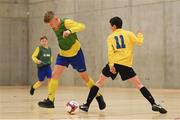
72, 107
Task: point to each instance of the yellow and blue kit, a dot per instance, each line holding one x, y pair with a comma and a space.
70, 53
120, 53
70, 48
45, 56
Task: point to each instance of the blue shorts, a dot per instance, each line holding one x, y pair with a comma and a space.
76, 61
43, 72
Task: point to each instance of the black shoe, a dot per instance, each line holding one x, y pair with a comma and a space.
32, 90
46, 103
101, 103
84, 107
159, 108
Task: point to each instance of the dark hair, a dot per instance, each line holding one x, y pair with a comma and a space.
117, 21
43, 37
48, 16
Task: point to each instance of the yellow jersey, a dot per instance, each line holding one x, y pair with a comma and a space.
120, 47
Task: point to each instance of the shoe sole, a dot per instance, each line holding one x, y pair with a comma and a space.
83, 110
161, 110
43, 106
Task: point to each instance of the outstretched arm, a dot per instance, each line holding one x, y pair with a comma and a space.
137, 39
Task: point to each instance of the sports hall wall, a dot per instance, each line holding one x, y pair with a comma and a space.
157, 62
13, 42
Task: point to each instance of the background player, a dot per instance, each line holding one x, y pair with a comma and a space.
42, 56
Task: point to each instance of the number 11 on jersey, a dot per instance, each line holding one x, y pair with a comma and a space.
118, 46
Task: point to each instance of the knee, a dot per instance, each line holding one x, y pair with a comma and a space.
99, 83
41, 82
139, 85
55, 74
84, 76
136, 82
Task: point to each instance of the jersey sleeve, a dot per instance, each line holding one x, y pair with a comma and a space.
110, 51
51, 59
74, 26
136, 39
35, 55
51, 55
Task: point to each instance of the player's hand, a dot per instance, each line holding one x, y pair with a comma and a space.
66, 33
39, 62
113, 70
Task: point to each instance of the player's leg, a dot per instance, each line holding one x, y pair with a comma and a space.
86, 78
61, 64
35, 86
90, 83
78, 63
93, 92
49, 75
95, 88
53, 84
136, 82
41, 77
52, 87
146, 93
127, 73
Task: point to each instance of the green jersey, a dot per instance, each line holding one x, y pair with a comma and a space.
65, 43
44, 56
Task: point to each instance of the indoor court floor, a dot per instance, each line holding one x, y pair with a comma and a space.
122, 103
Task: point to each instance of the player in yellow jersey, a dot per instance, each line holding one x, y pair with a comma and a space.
70, 53
120, 57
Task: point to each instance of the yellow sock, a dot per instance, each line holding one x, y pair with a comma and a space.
37, 85
48, 83
52, 87
90, 83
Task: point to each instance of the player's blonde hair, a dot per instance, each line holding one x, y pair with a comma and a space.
48, 16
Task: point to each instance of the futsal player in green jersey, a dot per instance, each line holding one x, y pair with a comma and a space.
70, 53
42, 57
